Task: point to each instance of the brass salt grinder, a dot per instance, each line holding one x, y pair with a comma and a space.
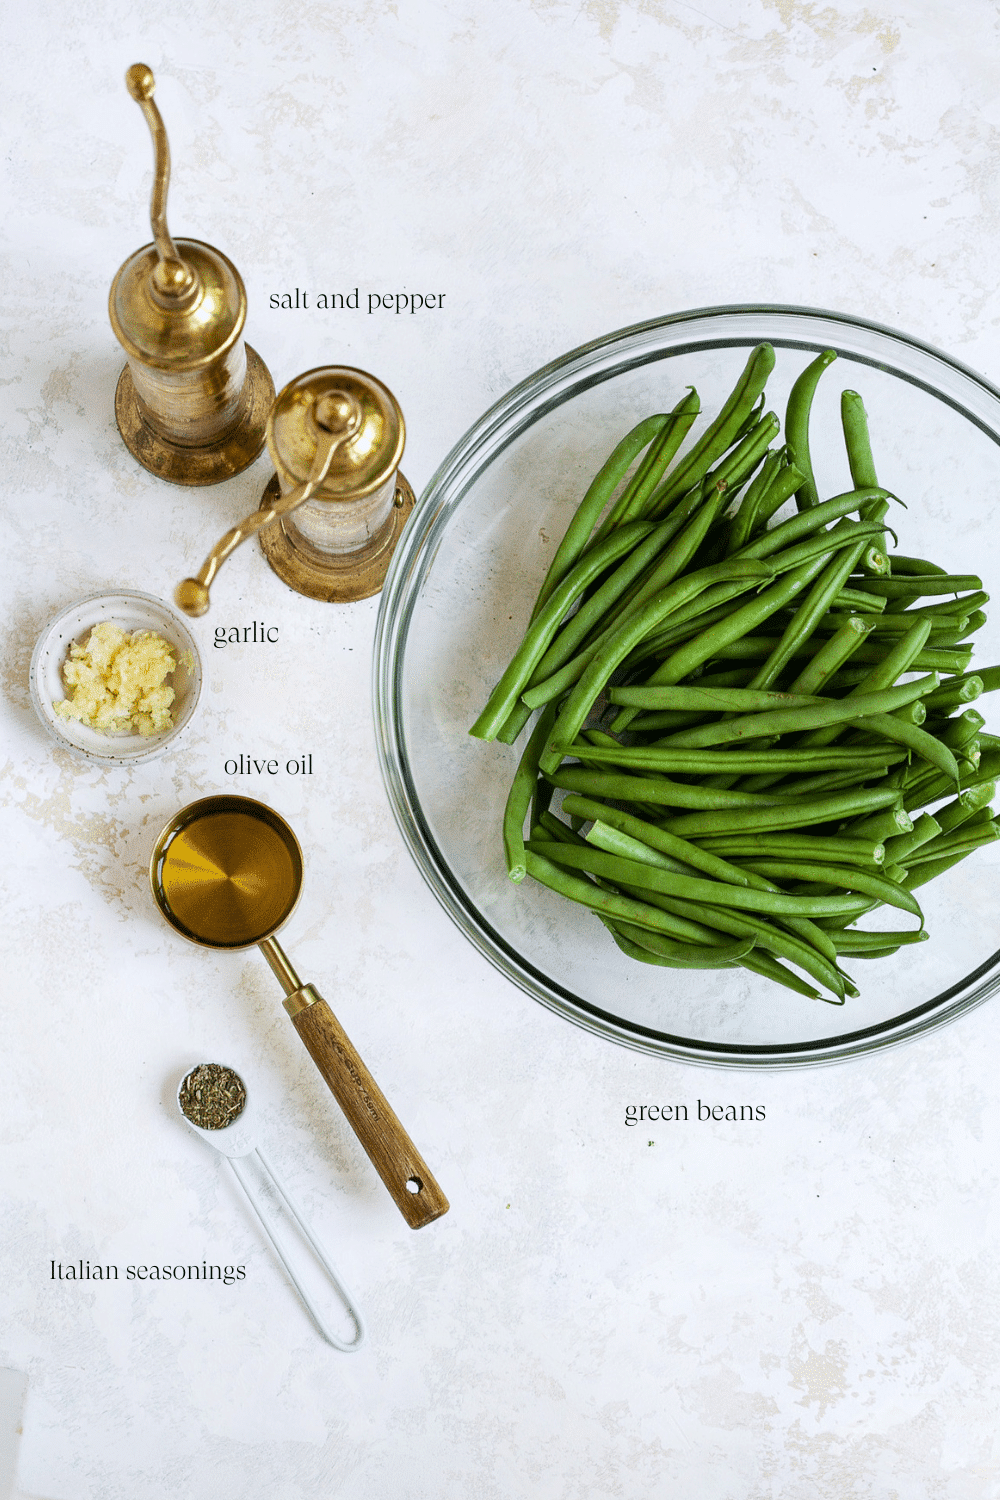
332, 514
193, 399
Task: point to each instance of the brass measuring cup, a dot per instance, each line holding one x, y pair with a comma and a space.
226, 873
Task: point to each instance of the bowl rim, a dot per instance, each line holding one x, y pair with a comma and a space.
391, 631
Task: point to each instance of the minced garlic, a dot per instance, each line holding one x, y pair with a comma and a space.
117, 681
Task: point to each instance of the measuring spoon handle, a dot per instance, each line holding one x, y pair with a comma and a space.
393, 1155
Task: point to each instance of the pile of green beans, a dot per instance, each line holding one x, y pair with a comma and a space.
746, 717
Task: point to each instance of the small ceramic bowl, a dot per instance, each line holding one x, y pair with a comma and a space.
130, 612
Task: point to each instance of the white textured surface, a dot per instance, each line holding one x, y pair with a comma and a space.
806, 1307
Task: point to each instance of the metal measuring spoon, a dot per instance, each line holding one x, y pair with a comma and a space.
216, 1093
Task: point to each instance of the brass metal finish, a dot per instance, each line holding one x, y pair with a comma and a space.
338, 421
365, 464
301, 999
192, 402
226, 873
335, 579
206, 465
173, 280
281, 966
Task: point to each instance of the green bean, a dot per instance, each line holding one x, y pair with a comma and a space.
932, 786
821, 542
730, 473
959, 731
900, 659
919, 587
917, 740
886, 823
671, 955
792, 846
543, 627
989, 677
599, 738
720, 434
712, 607
709, 643
788, 720
809, 613
603, 486
658, 791
964, 604
803, 525
848, 876
914, 565
589, 616
581, 699
736, 468
875, 560
797, 425
969, 757
751, 419
957, 812
895, 625
842, 534
737, 678
722, 700
678, 556
618, 907
655, 838
742, 526
854, 420
632, 499
787, 481
859, 943
854, 600
769, 936
831, 655
714, 604
740, 762
796, 814
614, 841
923, 873
556, 828
519, 798
930, 659
748, 840
823, 783
971, 835
655, 723
559, 683
910, 713
975, 622
513, 724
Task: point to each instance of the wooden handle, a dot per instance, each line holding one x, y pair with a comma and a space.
393, 1155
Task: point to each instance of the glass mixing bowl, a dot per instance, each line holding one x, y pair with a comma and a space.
458, 598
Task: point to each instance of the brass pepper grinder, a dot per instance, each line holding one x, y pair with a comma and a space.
331, 516
192, 402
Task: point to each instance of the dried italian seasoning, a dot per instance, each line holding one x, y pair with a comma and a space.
212, 1097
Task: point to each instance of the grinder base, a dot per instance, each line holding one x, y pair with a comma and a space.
333, 579
216, 461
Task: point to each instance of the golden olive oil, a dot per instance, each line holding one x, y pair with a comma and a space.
228, 879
